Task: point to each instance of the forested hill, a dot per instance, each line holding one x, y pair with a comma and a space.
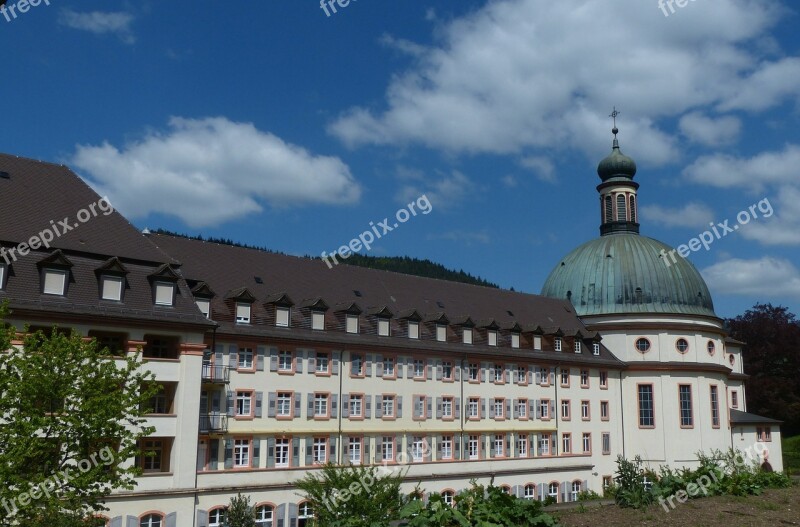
398, 264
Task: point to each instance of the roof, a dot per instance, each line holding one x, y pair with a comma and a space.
741, 418
36, 196
625, 273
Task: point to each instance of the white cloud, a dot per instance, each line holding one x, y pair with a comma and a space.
755, 173
766, 276
208, 171
690, 215
467, 238
709, 131
541, 166
100, 23
506, 79
447, 191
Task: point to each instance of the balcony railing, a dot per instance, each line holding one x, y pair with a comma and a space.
213, 423
213, 374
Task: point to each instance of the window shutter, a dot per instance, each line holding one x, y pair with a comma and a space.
336, 356
538, 409
262, 351
270, 452
483, 408
541, 491
484, 366
552, 409
564, 492
296, 452
530, 376
131, 521
170, 520
299, 355
379, 366
439, 408
515, 491
272, 404
399, 367
418, 401
256, 452
117, 522
457, 371
213, 454
335, 405
273, 359
202, 519
219, 351
309, 448
492, 451
584, 486
368, 367
368, 407
491, 410
367, 459
231, 403
233, 351
516, 408
508, 408
332, 448
312, 362
280, 515
228, 453
216, 401
439, 370
346, 405
378, 406
429, 369
310, 406
259, 404
458, 408
429, 413
298, 404
439, 448
457, 447
507, 374
428, 448
483, 446
399, 406
293, 513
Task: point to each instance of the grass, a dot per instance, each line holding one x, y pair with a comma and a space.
791, 454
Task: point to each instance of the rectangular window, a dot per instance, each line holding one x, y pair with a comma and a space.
284, 404
544, 445
714, 407
522, 408
473, 447
418, 448
387, 448
320, 405
165, 292
441, 332
492, 337
241, 453
768, 434
446, 447
282, 317
357, 365
112, 287
522, 375
318, 320
157, 459
544, 408
734, 399
595, 349
447, 408
383, 327
285, 361
499, 445
54, 281
498, 374
388, 406
204, 305
584, 378
323, 363
646, 408
447, 371
352, 323
245, 357
606, 440
577, 346
603, 379
565, 409
282, 453
515, 340
320, 451
586, 440
474, 372
413, 329
499, 408
467, 336
354, 450
685, 395
537, 342
604, 410
244, 404
389, 367
557, 344
522, 445
566, 443
473, 409
419, 368
356, 405
585, 410
564, 378
242, 313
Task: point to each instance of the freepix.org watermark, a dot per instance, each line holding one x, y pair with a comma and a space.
325, 4
664, 4
9, 11
58, 480
376, 232
56, 230
718, 231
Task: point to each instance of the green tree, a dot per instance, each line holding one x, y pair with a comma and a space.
71, 415
353, 496
240, 513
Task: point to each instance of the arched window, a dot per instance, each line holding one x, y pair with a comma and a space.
552, 490
216, 517
530, 492
151, 520
633, 209
609, 210
265, 515
305, 514
622, 214
576, 490
448, 497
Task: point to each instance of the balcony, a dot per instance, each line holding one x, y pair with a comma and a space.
213, 423
213, 374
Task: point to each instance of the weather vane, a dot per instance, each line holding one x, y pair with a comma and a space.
614, 115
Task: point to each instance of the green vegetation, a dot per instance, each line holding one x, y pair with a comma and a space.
791, 454
240, 513
416, 267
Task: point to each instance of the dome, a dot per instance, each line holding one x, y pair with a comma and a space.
628, 273
616, 164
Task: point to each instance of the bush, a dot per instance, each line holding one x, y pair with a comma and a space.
632, 489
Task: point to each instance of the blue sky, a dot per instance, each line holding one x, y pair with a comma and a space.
273, 124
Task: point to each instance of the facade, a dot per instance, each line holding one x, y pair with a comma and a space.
273, 365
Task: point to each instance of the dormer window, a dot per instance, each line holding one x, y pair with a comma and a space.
204, 305
441, 332
352, 324
557, 344
318, 320
55, 282
413, 329
111, 287
537, 342
165, 293
577, 346
282, 317
515, 340
242, 313
383, 327
492, 337
595, 349
3, 272
467, 336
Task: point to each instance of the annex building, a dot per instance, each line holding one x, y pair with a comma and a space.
272, 365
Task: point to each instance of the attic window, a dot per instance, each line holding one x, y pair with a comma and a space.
537, 342
282, 317
55, 281
467, 336
492, 336
413, 329
242, 313
204, 305
595, 349
515, 340
164, 293
441, 332
111, 287
383, 327
3, 269
352, 324
557, 344
318, 320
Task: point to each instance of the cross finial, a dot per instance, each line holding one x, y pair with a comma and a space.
614, 115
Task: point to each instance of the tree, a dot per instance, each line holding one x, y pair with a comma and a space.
71, 416
772, 359
240, 513
353, 496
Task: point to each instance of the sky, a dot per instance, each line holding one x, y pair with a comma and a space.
296, 127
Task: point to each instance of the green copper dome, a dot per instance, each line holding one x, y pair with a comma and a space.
617, 164
628, 273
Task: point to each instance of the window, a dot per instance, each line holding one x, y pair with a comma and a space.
474, 372
544, 408
767, 437
473, 411
557, 344
711, 348
499, 408
241, 453
544, 445
621, 207
515, 340
284, 404
151, 520
383, 327
566, 443
577, 346
242, 313
603, 379
387, 448
356, 365
586, 440
447, 408
354, 450
491, 337
217, 518
467, 336
318, 320
418, 448
646, 409
441, 332
320, 405
244, 404
446, 447
413, 329
685, 395
522, 408
575, 490
322, 363
606, 440
282, 452
56, 279
473, 447
356, 405
112, 287
448, 497
604, 410
500, 445
530, 492
584, 378
204, 305
282, 317
285, 361
522, 375
305, 515
537, 342
682, 345
165, 293
734, 399
714, 407
522, 445
633, 209
642, 345
565, 413
607, 482
419, 368
320, 451
447, 371
609, 210
595, 349
156, 460
585, 410
245, 358
544, 376
498, 373
389, 367
352, 324
265, 515
552, 490
388, 405
565, 378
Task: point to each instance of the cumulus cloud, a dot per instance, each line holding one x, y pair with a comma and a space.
100, 23
762, 277
443, 191
208, 171
506, 79
753, 173
709, 131
690, 215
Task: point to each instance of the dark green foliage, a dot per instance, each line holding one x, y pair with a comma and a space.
791, 454
240, 513
632, 490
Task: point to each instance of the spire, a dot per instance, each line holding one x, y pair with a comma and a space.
618, 203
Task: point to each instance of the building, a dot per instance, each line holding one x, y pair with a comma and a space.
273, 365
